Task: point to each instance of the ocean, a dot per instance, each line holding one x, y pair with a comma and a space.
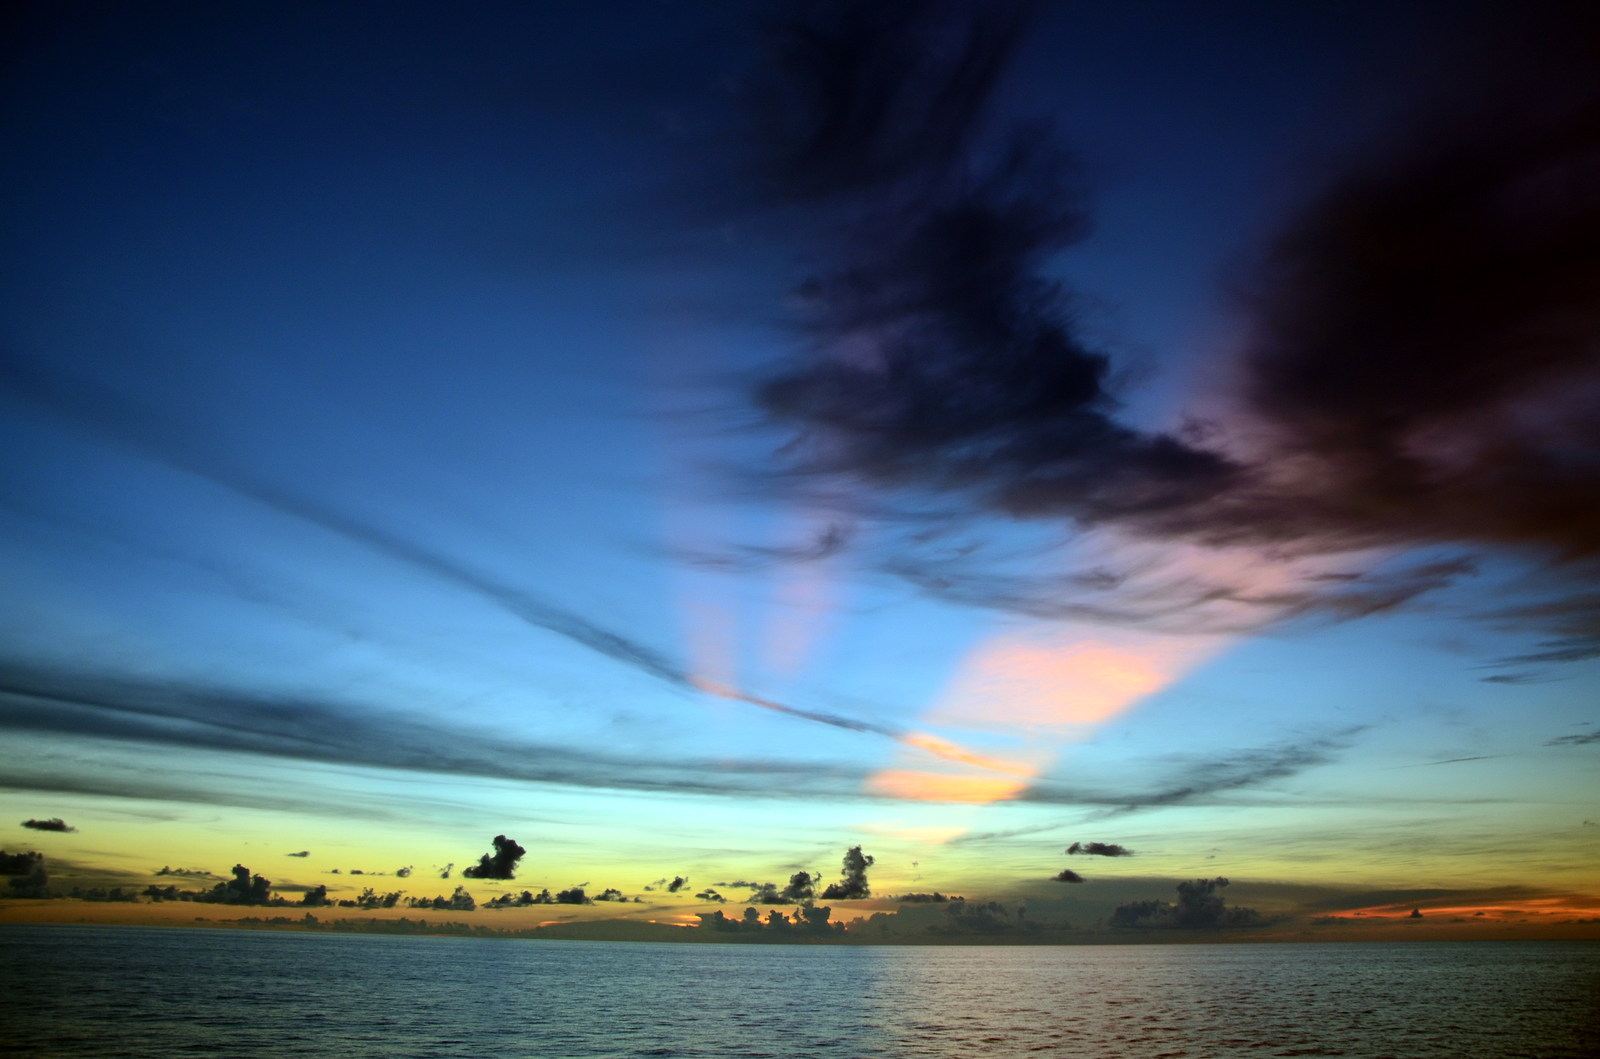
155, 992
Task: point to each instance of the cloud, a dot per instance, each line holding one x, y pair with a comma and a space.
193, 715
1418, 367
28, 876
1067, 875
55, 823
187, 873
502, 864
1199, 906
460, 900
853, 886
925, 899
710, 895
90, 404
806, 921
20, 863
1580, 739
444, 872
800, 888
678, 882
1098, 849
1196, 781
300, 853
204, 716
403, 873
938, 356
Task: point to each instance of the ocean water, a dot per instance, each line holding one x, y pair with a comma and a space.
151, 992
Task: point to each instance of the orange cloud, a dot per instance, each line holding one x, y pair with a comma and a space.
1034, 681
943, 748
945, 787
1563, 906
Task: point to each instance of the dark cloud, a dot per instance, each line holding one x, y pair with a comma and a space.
1199, 780
800, 889
187, 873
610, 893
1419, 368
1424, 348
678, 882
444, 872
403, 873
370, 898
934, 898
938, 356
807, 921
243, 889
1098, 849
710, 895
55, 823
1199, 906
458, 901
1067, 875
301, 853
853, 886
1576, 740
28, 876
501, 864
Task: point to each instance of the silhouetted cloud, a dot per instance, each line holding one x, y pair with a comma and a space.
678, 882
501, 864
243, 889
853, 886
1067, 875
610, 893
187, 873
925, 899
403, 873
20, 863
1098, 849
808, 921
55, 823
710, 895
28, 876
799, 889
1575, 740
444, 872
301, 853
1199, 905
460, 900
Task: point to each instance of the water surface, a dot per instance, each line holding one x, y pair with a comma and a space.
155, 992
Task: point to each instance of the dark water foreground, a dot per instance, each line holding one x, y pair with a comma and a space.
150, 992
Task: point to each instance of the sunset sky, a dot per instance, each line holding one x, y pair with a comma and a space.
696, 439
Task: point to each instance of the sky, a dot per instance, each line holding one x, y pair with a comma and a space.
693, 441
